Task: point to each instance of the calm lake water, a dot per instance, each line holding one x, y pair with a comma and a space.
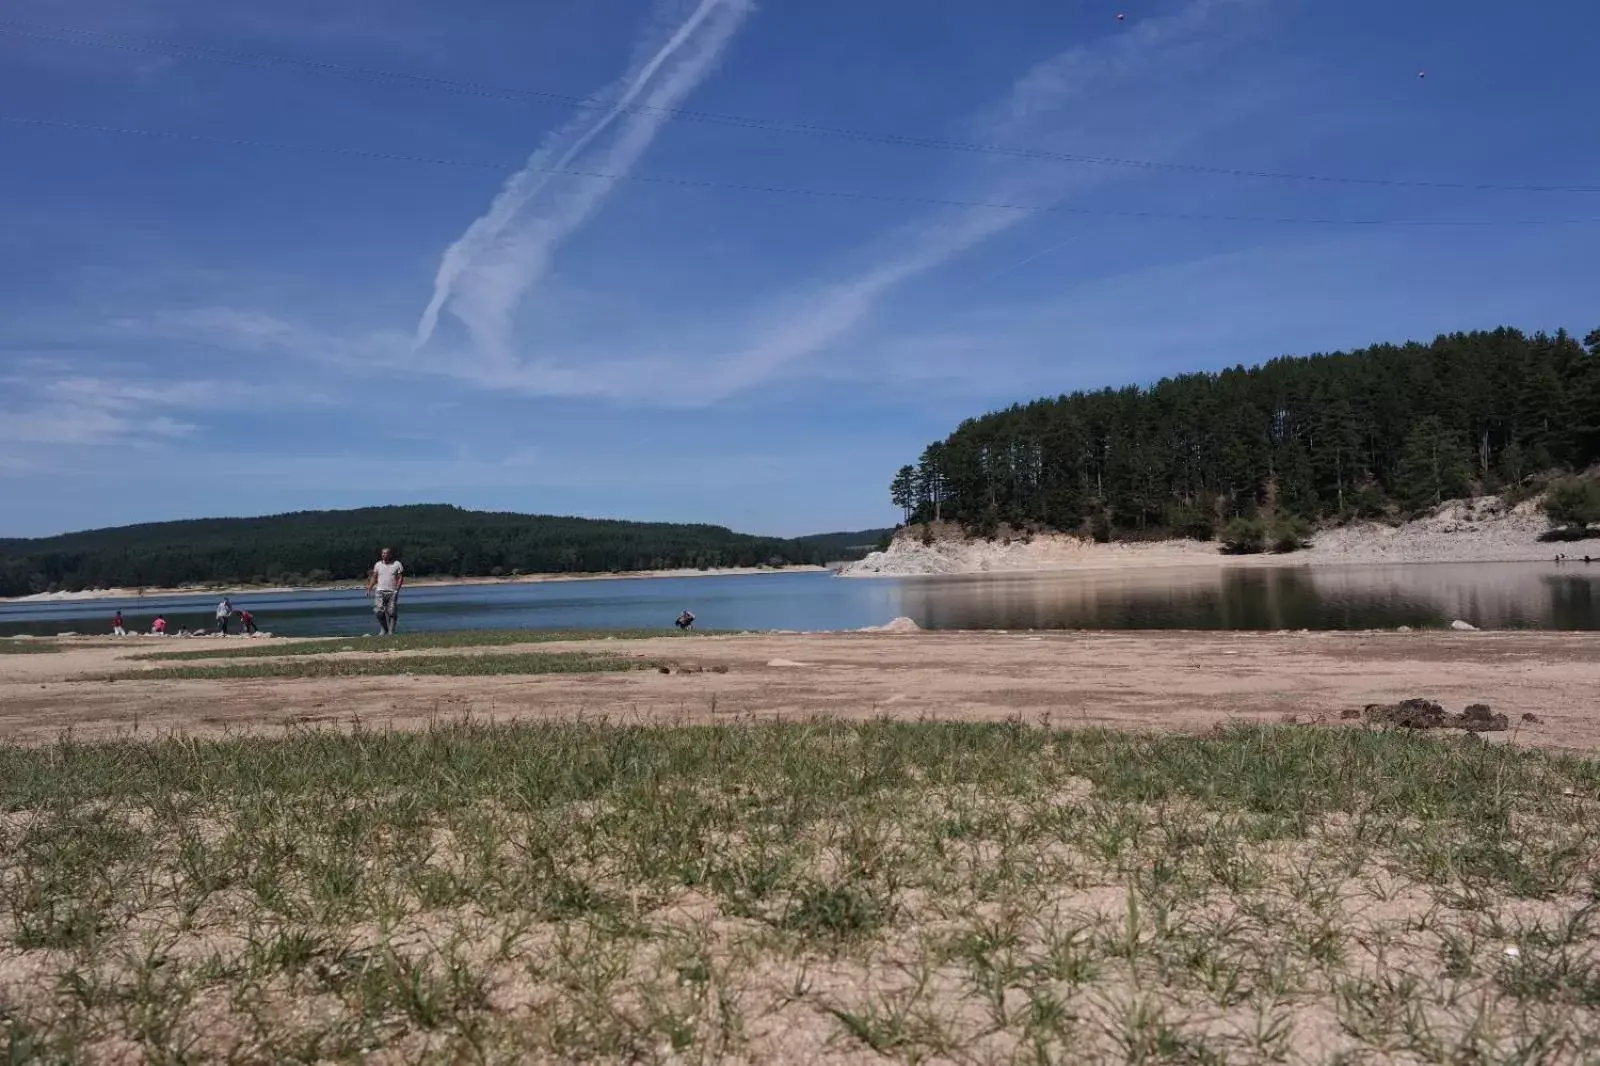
1493, 596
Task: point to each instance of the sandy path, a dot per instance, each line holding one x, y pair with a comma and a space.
1166, 680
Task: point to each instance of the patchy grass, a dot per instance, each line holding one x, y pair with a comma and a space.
799, 892
489, 663
14, 646
415, 642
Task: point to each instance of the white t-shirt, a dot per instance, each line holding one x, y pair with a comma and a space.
388, 575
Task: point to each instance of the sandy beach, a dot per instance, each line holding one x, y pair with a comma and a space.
1141, 680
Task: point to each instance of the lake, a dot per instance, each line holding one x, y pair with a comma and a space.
1491, 596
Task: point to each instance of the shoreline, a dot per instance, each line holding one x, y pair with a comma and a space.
184, 592
1477, 531
1161, 557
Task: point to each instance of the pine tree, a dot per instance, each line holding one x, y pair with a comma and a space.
1434, 465
903, 491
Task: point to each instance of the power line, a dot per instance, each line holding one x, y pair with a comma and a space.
122, 42
781, 190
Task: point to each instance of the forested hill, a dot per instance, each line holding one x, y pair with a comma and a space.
1387, 429
312, 546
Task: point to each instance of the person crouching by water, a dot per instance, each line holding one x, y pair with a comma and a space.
384, 583
685, 620
224, 613
247, 622
116, 626
159, 626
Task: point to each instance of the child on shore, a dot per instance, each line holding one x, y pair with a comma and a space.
248, 622
116, 626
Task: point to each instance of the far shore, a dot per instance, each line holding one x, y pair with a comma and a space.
417, 582
1481, 530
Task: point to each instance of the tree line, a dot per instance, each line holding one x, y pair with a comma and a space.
432, 540
1386, 430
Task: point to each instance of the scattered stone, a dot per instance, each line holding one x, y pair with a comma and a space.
665, 669
1349, 713
1533, 718
719, 669
1403, 629
1463, 627
1425, 714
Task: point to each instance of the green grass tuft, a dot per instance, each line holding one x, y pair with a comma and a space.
478, 638
16, 646
488, 664
771, 892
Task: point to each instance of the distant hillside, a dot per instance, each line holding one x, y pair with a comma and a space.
840, 547
432, 540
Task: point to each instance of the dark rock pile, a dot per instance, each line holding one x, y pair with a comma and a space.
1425, 714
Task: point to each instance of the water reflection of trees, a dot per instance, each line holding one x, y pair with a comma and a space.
1574, 602
1499, 596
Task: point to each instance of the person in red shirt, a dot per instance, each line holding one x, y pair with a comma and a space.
248, 620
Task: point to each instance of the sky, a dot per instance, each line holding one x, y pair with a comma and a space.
726, 260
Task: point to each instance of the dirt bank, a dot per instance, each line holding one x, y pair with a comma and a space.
1141, 680
1458, 531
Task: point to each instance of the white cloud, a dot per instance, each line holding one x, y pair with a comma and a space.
1054, 105
57, 424
1131, 94
1038, 113
485, 274
64, 408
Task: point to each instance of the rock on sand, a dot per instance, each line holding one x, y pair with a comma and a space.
899, 625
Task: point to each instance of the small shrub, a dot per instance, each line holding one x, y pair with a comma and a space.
1290, 534
1244, 536
1100, 529
1574, 502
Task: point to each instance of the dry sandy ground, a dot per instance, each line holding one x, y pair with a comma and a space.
1140, 680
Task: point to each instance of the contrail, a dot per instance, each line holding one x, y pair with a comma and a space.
484, 274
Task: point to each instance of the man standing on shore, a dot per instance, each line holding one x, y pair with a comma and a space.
384, 583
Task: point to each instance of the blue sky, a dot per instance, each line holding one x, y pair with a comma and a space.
253, 305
